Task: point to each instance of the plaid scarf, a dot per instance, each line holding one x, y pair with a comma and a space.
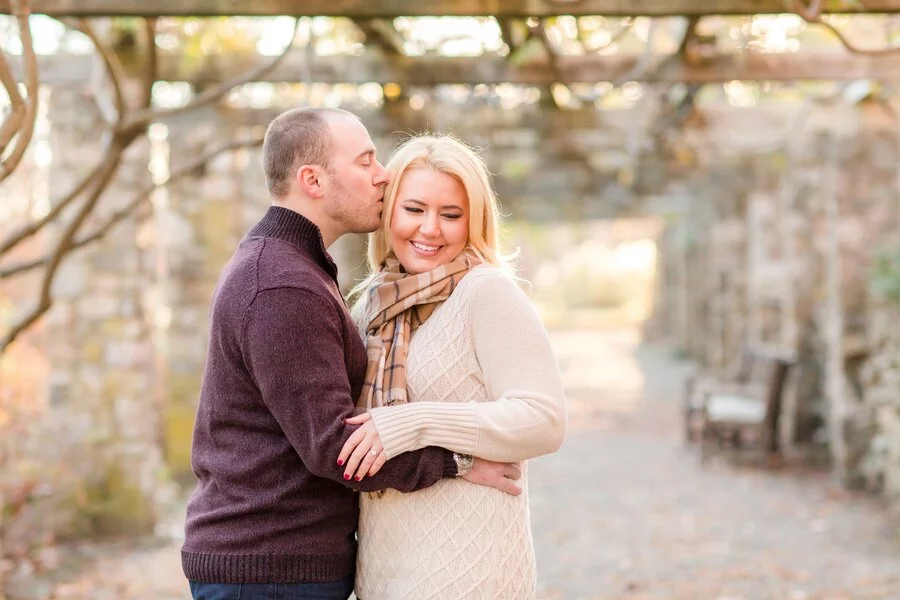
398, 303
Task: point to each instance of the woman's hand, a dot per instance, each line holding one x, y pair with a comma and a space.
362, 452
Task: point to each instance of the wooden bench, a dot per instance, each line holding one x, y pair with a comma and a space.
699, 385
744, 415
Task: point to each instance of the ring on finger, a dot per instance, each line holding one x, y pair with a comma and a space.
373, 452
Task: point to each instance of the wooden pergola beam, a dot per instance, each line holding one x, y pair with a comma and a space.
381, 33
392, 8
433, 70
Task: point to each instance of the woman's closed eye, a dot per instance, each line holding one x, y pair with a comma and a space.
417, 210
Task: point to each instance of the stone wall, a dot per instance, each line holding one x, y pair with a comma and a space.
785, 258
880, 378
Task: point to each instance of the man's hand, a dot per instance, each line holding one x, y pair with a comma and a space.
502, 476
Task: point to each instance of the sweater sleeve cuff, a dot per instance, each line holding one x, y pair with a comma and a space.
420, 424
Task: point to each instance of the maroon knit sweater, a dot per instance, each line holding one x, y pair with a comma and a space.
284, 366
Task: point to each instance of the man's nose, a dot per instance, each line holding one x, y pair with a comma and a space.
381, 176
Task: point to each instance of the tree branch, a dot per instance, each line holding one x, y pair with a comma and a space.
152, 69
678, 114
25, 232
128, 128
381, 32
102, 230
110, 61
812, 14
690, 34
127, 133
59, 252
506, 32
111, 155
26, 130
144, 117
640, 67
809, 12
13, 121
646, 57
540, 31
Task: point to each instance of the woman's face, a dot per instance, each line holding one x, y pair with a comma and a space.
429, 221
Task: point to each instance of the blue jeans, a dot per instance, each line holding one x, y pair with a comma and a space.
329, 590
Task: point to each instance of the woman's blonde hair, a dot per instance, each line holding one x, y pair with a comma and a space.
446, 154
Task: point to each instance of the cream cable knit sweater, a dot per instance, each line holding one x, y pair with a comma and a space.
482, 380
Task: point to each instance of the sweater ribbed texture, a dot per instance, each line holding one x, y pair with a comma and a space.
482, 380
273, 568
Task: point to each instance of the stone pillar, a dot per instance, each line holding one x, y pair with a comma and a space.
848, 174
833, 314
198, 222
728, 241
874, 430
98, 342
880, 375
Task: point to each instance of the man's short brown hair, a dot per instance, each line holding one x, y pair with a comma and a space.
295, 138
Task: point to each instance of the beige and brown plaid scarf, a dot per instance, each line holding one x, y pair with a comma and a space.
398, 303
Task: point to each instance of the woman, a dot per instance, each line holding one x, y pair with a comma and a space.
479, 378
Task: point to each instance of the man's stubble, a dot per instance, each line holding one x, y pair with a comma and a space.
354, 215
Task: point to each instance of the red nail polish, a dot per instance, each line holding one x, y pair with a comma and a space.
346, 477
358, 478
340, 463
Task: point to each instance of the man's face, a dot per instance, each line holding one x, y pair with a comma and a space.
355, 179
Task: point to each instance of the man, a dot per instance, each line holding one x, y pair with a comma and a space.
272, 515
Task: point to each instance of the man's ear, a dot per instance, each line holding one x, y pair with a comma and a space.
309, 177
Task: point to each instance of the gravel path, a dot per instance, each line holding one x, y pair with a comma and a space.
624, 510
